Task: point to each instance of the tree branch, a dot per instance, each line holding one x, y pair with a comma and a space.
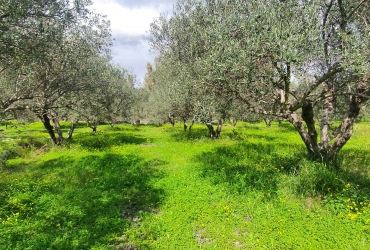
322, 79
343, 15
326, 14
354, 10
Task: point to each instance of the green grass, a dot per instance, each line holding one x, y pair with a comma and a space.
154, 187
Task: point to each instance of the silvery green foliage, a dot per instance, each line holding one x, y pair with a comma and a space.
27, 26
280, 58
48, 49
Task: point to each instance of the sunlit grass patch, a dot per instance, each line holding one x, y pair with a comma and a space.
74, 201
152, 187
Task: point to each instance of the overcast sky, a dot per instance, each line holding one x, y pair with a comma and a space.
130, 23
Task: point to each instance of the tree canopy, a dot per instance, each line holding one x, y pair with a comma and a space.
55, 58
299, 60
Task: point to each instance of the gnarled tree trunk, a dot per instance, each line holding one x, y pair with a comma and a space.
268, 121
93, 126
46, 122
344, 132
71, 129
330, 144
185, 125
215, 133
191, 125
58, 129
171, 118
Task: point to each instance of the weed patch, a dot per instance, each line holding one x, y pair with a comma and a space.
103, 141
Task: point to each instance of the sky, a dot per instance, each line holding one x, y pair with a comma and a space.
130, 23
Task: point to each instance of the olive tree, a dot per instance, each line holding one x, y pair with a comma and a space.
192, 39
170, 98
66, 37
27, 26
109, 98
280, 58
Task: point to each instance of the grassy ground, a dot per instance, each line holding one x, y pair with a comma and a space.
153, 187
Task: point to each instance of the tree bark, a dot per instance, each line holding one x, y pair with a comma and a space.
211, 130
345, 130
267, 121
215, 133
219, 127
324, 124
191, 125
309, 119
298, 124
171, 118
93, 126
324, 150
58, 129
46, 122
185, 125
71, 130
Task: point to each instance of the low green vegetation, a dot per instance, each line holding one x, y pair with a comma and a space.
149, 187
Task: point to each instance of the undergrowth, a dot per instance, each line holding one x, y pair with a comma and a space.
148, 187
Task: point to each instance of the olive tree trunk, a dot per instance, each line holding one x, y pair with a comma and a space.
186, 126
191, 125
215, 133
46, 122
71, 129
93, 125
171, 118
58, 129
330, 143
268, 121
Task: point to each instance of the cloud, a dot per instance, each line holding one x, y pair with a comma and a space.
132, 53
133, 57
125, 20
130, 23
161, 5
128, 41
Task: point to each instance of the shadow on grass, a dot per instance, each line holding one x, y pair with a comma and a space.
241, 136
79, 204
65, 126
354, 166
245, 166
196, 133
262, 166
251, 126
287, 127
102, 141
